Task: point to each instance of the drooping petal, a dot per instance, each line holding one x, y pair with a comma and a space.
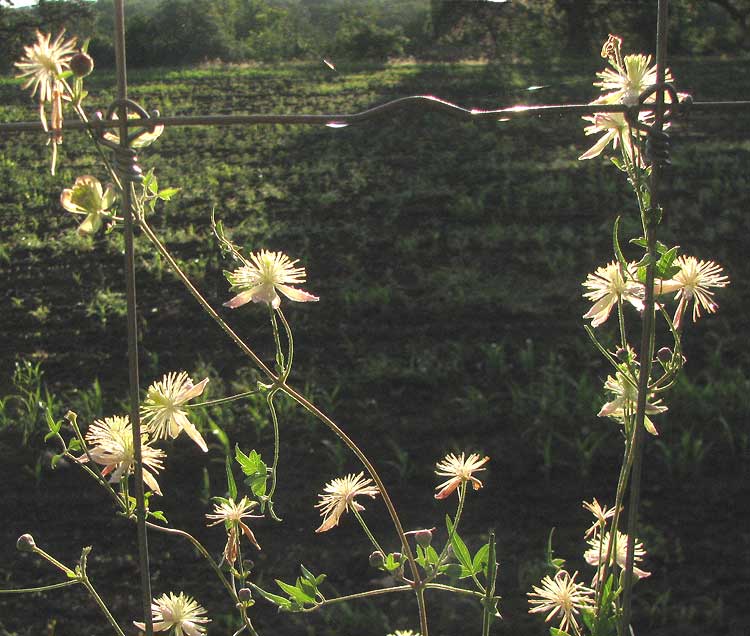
297, 295
192, 432
240, 299
192, 392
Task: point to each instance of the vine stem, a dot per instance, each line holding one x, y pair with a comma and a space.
369, 534
280, 383
102, 605
43, 588
203, 302
649, 315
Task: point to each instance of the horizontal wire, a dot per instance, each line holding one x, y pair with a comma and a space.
429, 101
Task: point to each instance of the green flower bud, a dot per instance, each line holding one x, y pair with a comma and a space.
423, 537
81, 64
664, 355
377, 559
25, 543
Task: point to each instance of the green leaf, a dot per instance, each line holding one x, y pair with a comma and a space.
307, 587
231, 484
432, 556
282, 602
664, 267
479, 563
552, 562
307, 574
459, 547
616, 244
256, 471
296, 593
167, 193
54, 427
221, 436
453, 571
391, 564
74, 445
158, 514
557, 632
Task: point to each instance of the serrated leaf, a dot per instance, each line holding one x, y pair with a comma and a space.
459, 547
391, 564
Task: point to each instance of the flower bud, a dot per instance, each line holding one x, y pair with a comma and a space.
25, 543
423, 537
664, 355
622, 354
244, 594
377, 559
81, 64
396, 556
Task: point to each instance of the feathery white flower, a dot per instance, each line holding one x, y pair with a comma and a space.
111, 445
178, 611
161, 412
262, 276
340, 495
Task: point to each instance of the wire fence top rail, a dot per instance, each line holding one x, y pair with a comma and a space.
428, 101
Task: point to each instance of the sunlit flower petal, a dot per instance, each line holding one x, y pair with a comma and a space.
262, 276
599, 546
339, 496
608, 286
88, 197
231, 513
693, 282
44, 62
460, 470
111, 446
561, 597
161, 412
144, 139
601, 514
178, 611
623, 406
